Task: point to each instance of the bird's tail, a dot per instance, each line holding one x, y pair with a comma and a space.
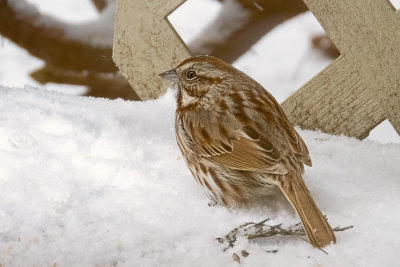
315, 224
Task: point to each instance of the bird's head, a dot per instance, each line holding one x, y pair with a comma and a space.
199, 80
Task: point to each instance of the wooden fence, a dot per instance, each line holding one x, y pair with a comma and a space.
356, 92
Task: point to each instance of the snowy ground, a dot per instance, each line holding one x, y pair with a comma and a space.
94, 182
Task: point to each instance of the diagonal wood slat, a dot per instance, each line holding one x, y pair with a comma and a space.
336, 90
366, 32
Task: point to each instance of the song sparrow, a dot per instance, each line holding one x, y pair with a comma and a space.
238, 143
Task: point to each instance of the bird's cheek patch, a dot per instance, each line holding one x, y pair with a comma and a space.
210, 80
216, 80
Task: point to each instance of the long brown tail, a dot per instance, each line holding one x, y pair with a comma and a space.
315, 225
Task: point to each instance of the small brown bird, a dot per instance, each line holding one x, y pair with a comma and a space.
238, 143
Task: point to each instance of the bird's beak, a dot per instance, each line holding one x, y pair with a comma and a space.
170, 75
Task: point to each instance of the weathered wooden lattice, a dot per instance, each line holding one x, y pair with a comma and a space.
145, 44
351, 96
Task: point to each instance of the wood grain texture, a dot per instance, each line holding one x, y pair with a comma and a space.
145, 44
336, 102
362, 87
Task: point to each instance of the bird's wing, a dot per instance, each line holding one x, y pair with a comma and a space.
296, 143
269, 114
233, 145
252, 152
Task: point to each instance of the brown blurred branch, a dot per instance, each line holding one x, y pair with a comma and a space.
109, 85
51, 43
67, 60
323, 43
241, 23
99, 4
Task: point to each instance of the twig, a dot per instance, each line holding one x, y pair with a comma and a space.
240, 24
100, 4
251, 230
110, 85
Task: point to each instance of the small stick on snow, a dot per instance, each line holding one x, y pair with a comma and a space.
251, 230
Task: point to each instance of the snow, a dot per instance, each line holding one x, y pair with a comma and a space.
395, 3
233, 15
193, 16
97, 32
16, 64
96, 182
72, 11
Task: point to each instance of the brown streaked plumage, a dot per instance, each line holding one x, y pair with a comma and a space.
238, 143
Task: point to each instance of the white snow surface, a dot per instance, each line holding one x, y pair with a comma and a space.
96, 182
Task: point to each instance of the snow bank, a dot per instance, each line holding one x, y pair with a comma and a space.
94, 182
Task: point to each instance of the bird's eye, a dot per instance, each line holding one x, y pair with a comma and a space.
191, 74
